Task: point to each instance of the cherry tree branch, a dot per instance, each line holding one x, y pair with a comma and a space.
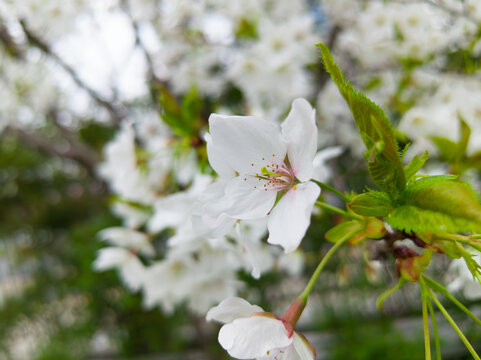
75, 150
116, 111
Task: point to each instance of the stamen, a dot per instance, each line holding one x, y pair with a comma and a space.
277, 177
267, 172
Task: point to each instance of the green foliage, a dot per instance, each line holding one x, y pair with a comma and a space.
338, 232
96, 135
246, 29
372, 203
368, 340
416, 163
432, 204
384, 163
185, 118
49, 220
437, 204
357, 230
381, 298
454, 153
447, 148
464, 139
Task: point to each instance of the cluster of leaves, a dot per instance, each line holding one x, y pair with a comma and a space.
435, 212
414, 204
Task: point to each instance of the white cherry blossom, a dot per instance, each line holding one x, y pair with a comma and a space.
130, 268
462, 279
251, 333
261, 163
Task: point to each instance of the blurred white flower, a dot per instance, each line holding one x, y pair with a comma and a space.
121, 169
128, 238
200, 279
463, 279
130, 268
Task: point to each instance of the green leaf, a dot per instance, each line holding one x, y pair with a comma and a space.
411, 268
435, 286
384, 162
450, 248
428, 181
374, 229
339, 231
464, 139
473, 161
438, 204
451, 151
191, 107
358, 230
447, 148
415, 165
182, 118
372, 203
246, 29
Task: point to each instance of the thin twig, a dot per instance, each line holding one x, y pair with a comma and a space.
116, 112
74, 152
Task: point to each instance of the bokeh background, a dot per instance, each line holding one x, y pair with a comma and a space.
103, 114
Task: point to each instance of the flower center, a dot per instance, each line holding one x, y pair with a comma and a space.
275, 177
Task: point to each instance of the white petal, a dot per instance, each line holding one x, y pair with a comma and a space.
247, 199
321, 170
302, 348
472, 290
253, 337
133, 273
171, 211
300, 133
287, 353
456, 285
128, 238
217, 161
248, 249
243, 142
232, 308
111, 257
130, 267
211, 225
290, 218
209, 218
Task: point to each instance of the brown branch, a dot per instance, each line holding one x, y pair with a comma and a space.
9, 43
154, 81
116, 111
75, 150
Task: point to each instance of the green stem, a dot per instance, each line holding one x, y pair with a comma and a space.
456, 238
389, 292
455, 327
437, 286
435, 330
331, 189
325, 259
337, 210
424, 299
468, 240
